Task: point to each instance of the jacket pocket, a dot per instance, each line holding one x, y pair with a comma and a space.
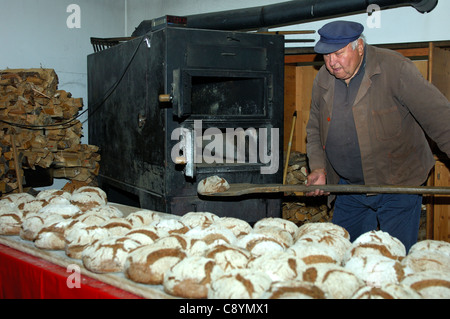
387, 123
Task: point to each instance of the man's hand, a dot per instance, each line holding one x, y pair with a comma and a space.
316, 177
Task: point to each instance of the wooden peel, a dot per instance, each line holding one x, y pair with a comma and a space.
245, 189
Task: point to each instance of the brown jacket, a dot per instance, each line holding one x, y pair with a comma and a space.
393, 108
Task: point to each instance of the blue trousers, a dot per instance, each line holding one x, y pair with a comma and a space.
396, 214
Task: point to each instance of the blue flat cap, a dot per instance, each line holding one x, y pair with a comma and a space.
336, 35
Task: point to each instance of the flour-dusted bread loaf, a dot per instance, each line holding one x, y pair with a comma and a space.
192, 247
322, 228
53, 193
280, 234
10, 221
65, 210
240, 284
108, 210
171, 225
198, 219
229, 257
259, 244
294, 289
314, 253
427, 260
143, 217
78, 236
335, 280
88, 197
191, 277
429, 284
146, 235
338, 243
212, 184
51, 235
285, 224
377, 242
431, 245
212, 235
377, 270
279, 266
32, 206
15, 199
117, 226
108, 255
239, 227
387, 291
33, 223
148, 264
92, 218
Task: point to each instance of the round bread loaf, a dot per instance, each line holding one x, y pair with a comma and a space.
314, 253
239, 284
259, 244
280, 234
32, 206
239, 227
149, 263
109, 211
66, 211
10, 221
146, 235
51, 235
335, 280
191, 246
279, 266
338, 243
88, 197
322, 228
143, 217
79, 235
212, 184
49, 194
191, 277
92, 218
117, 226
285, 224
212, 235
377, 242
33, 223
229, 257
108, 254
431, 245
429, 284
427, 260
294, 289
198, 219
388, 291
377, 270
171, 225
15, 199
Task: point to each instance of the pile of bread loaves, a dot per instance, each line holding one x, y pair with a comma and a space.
201, 255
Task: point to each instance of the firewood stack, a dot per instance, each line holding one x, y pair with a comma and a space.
41, 120
297, 208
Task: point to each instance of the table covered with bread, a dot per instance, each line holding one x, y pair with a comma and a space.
140, 253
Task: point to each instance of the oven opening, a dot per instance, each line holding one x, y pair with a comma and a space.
228, 96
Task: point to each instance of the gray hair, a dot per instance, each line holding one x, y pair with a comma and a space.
355, 43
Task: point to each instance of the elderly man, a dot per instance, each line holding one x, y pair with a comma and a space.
369, 110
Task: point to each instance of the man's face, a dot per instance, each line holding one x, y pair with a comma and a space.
345, 63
